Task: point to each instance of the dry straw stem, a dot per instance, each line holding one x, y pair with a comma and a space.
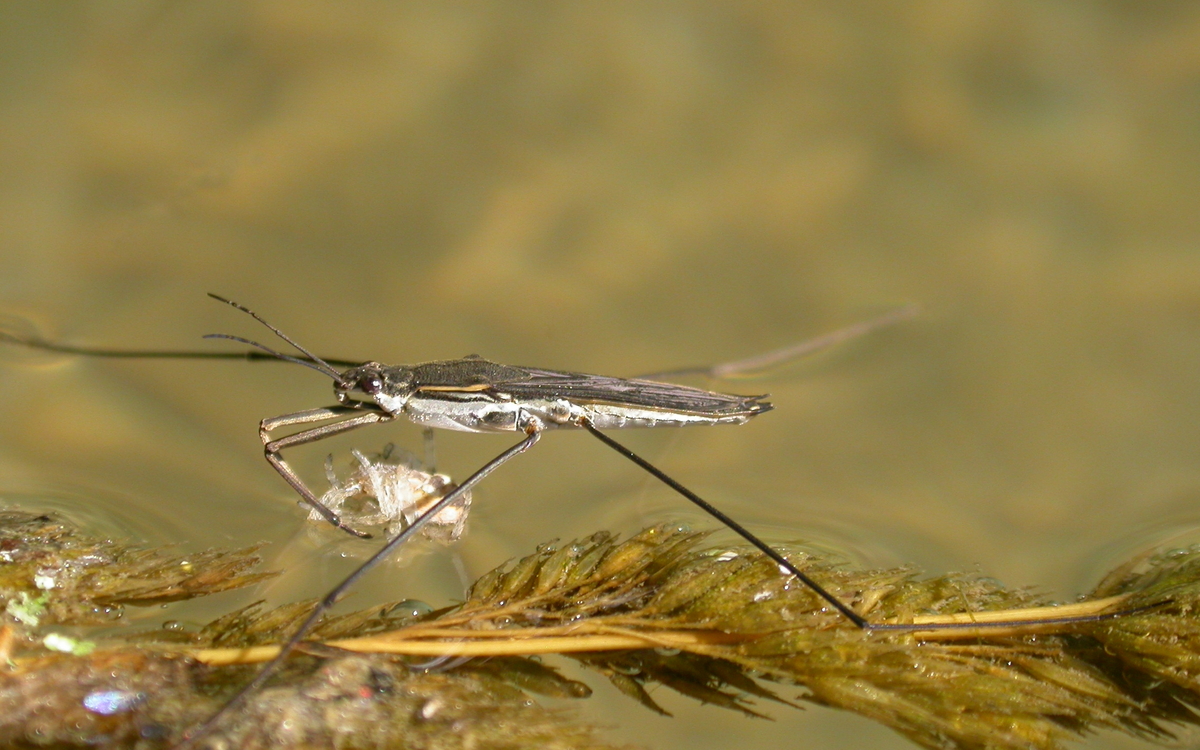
665, 607
414, 640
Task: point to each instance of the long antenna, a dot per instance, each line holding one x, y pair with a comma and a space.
322, 364
277, 355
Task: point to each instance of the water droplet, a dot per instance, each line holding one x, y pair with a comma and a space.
109, 702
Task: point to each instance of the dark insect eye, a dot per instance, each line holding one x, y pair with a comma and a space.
371, 385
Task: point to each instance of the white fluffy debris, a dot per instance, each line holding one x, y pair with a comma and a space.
391, 488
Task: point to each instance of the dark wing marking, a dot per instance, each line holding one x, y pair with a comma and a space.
470, 374
581, 388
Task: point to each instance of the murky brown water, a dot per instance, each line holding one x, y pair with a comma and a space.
624, 189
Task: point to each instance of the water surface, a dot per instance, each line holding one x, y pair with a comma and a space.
622, 190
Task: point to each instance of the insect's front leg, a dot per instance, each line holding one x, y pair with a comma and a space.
353, 418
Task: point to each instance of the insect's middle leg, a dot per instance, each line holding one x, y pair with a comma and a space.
429, 443
532, 435
354, 418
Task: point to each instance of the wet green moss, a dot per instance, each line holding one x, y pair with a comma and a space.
663, 608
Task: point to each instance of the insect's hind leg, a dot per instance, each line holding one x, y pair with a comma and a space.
763, 363
355, 418
858, 620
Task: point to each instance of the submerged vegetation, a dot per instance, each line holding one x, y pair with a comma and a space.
663, 608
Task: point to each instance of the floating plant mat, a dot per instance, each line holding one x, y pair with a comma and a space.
665, 607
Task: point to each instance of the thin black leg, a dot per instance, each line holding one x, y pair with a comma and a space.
858, 620
737, 528
332, 597
764, 362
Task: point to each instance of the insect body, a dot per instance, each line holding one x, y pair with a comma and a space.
475, 395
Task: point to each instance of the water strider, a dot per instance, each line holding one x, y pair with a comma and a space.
476, 395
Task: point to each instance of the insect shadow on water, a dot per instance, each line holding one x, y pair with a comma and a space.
476, 395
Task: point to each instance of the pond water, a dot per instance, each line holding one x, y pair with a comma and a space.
621, 190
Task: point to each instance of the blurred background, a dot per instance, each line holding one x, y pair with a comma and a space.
620, 188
